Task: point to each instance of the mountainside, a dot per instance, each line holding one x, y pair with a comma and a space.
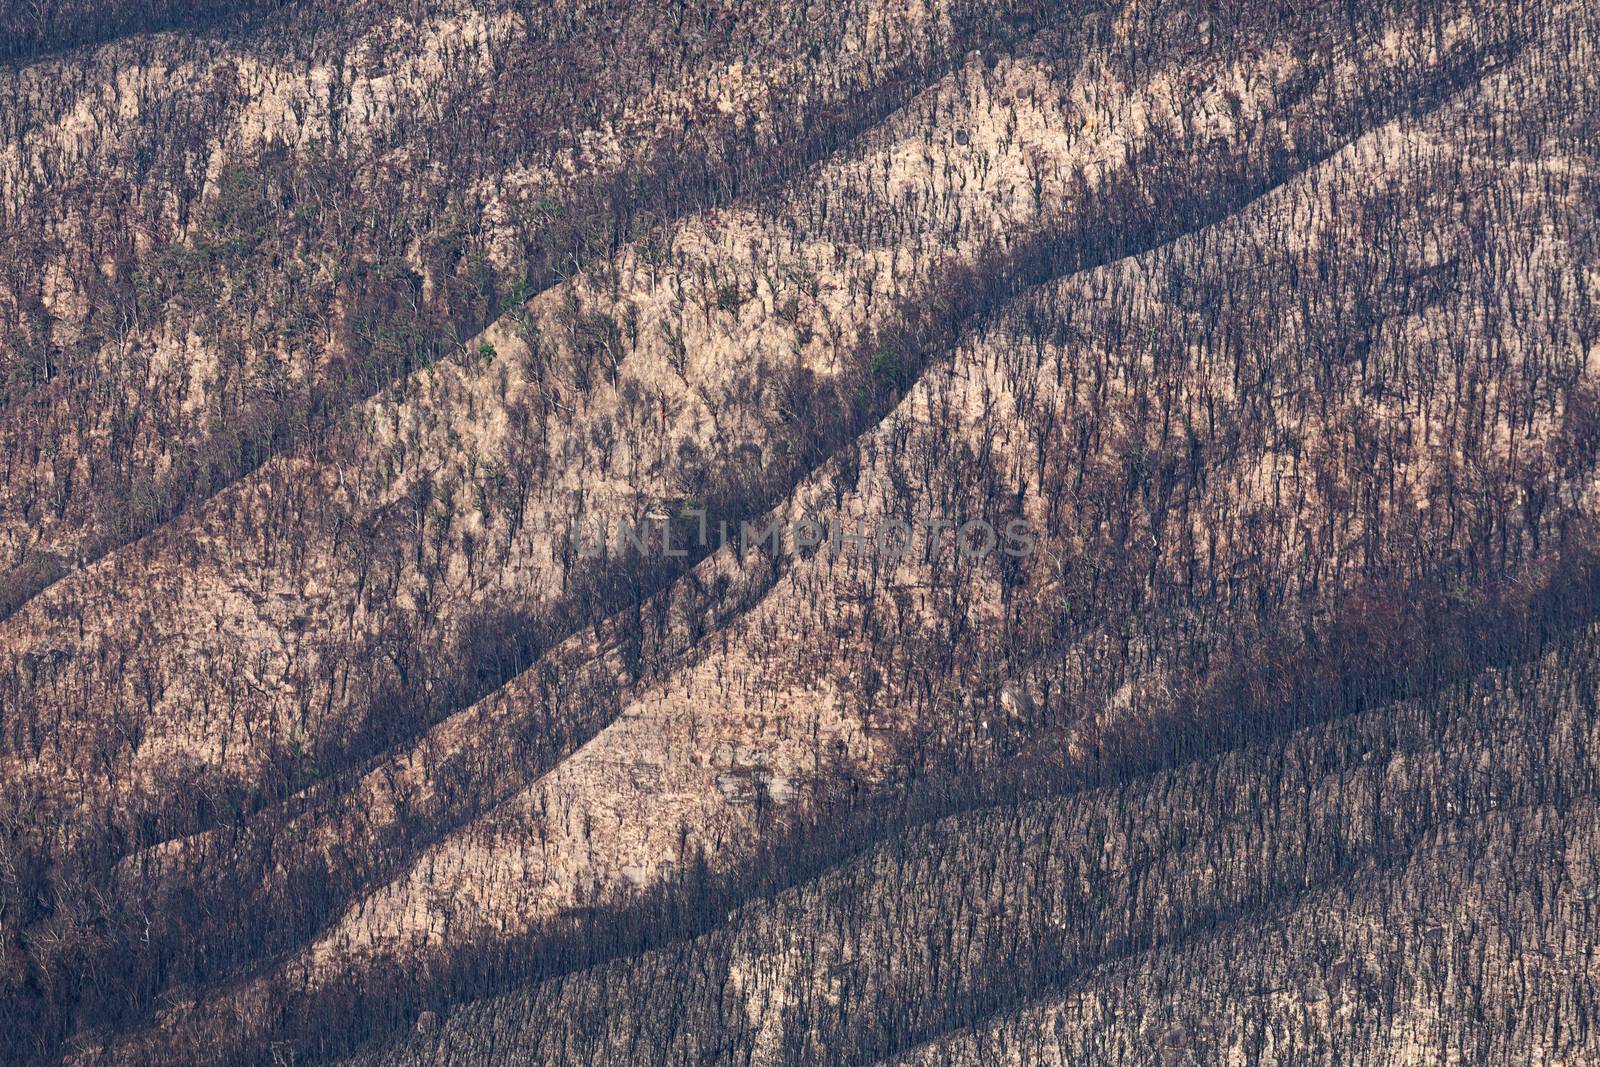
814, 532
1411, 885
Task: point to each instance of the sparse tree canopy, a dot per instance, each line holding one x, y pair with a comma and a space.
762, 532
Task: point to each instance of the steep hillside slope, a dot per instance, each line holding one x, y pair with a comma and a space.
1415, 884
221, 242
1276, 330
